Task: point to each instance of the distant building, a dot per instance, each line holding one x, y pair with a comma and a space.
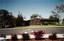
36, 21
41, 21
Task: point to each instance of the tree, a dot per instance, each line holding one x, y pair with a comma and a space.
19, 20
54, 16
5, 19
59, 10
63, 21
12, 21
3, 12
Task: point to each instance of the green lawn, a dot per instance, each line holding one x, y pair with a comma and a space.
38, 26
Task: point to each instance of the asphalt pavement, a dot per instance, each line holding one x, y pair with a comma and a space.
5, 31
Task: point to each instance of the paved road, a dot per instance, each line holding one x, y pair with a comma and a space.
20, 31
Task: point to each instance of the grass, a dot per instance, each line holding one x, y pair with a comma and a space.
38, 26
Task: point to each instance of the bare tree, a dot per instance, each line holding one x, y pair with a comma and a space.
59, 10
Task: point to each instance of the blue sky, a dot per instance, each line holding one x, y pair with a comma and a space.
29, 7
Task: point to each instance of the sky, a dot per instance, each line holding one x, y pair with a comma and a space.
29, 7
